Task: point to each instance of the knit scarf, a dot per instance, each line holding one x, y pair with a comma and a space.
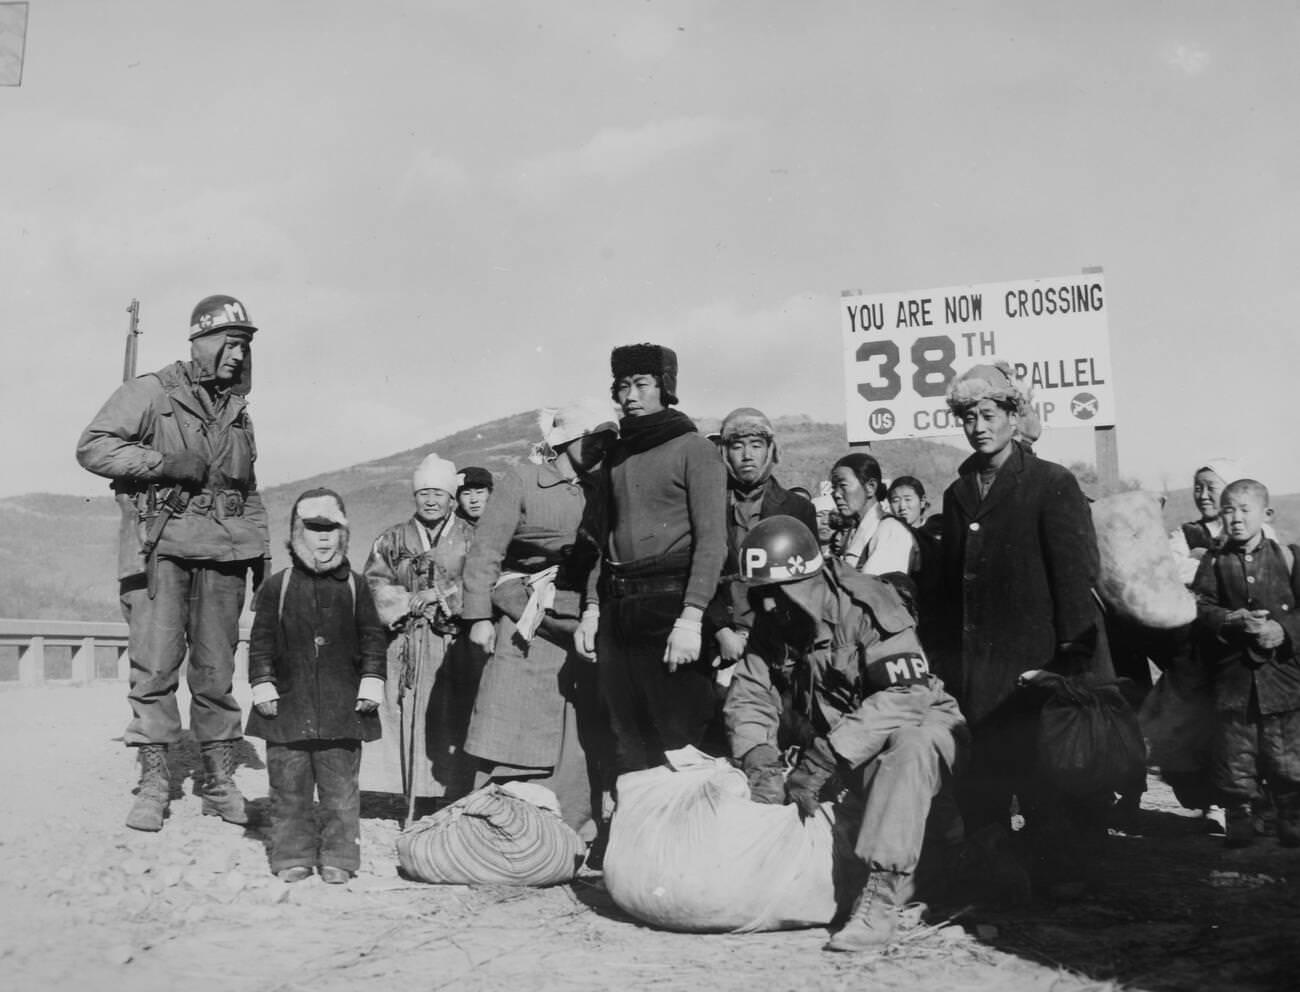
638, 434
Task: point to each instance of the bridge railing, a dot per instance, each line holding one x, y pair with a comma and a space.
74, 652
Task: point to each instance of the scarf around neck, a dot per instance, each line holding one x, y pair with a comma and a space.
638, 434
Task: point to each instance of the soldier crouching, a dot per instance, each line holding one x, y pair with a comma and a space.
834, 664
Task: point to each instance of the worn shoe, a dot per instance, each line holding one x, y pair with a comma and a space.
874, 919
1216, 821
154, 791
334, 876
221, 797
1288, 823
295, 874
1241, 827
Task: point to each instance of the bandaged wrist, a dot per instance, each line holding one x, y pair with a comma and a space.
694, 626
265, 692
591, 612
371, 689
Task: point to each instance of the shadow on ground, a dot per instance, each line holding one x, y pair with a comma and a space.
1166, 907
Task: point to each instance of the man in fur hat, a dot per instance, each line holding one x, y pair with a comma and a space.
178, 445
1019, 565
749, 453
663, 536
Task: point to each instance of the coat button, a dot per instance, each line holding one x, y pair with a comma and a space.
1250, 578
1249, 558
975, 525
319, 641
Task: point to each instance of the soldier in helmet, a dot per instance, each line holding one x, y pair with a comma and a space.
178, 446
834, 668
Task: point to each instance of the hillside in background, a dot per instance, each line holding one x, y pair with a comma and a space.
58, 554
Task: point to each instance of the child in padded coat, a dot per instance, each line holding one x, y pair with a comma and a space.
1247, 590
316, 661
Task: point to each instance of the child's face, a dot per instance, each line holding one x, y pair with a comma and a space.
1244, 515
906, 504
1207, 488
323, 542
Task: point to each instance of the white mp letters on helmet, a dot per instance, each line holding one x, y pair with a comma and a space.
755, 558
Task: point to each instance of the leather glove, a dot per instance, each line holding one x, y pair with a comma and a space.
186, 467
765, 771
257, 572
816, 768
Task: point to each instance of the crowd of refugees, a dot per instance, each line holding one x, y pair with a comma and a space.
635, 587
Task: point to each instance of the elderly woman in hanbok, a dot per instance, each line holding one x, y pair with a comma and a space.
536, 716
414, 574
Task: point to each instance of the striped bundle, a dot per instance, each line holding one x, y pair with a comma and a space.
491, 837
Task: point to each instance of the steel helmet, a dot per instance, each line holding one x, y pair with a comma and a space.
219, 313
779, 549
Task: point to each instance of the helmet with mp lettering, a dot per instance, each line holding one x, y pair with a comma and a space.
219, 313
779, 549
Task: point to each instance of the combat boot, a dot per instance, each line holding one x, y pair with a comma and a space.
221, 797
874, 919
154, 790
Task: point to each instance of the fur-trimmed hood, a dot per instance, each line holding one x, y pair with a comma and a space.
322, 506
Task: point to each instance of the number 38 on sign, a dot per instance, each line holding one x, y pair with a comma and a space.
901, 350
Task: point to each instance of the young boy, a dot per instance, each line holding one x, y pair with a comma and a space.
316, 661
1246, 590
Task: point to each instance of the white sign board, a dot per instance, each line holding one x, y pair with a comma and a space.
902, 349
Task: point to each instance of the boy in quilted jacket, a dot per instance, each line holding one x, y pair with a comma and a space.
1246, 591
316, 661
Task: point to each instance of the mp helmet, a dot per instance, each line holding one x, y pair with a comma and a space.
779, 549
219, 313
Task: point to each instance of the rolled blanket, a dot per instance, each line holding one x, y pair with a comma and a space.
492, 837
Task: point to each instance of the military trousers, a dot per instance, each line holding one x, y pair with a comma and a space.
195, 610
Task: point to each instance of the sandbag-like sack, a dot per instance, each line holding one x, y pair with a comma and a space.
690, 851
492, 837
1089, 741
1139, 575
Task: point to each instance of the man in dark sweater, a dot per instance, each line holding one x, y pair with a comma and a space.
662, 529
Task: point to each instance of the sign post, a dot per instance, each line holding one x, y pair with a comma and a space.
901, 350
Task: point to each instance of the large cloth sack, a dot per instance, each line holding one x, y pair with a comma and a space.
1089, 741
690, 851
492, 837
1178, 722
1139, 575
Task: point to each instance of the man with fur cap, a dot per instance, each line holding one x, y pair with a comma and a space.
1019, 564
749, 452
178, 445
316, 661
663, 536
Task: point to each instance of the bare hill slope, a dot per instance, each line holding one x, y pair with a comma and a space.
58, 554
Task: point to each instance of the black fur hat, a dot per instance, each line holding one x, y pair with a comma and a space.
647, 359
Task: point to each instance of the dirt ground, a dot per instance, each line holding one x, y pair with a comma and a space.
87, 904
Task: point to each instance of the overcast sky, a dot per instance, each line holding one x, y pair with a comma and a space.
444, 212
